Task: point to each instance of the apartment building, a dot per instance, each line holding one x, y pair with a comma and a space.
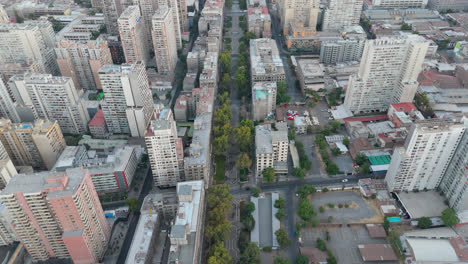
174, 6
51, 97
57, 215
448, 4
345, 50
81, 61
7, 171
454, 184
36, 144
112, 9
311, 75
164, 40
390, 4
132, 33
128, 104
147, 9
341, 13
299, 12
265, 61
426, 155
110, 171
29, 41
271, 147
165, 150
388, 73
197, 165
3, 15
259, 22
187, 231
7, 107
7, 235
263, 100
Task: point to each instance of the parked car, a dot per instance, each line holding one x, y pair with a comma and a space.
344, 180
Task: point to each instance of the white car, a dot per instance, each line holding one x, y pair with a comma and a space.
344, 180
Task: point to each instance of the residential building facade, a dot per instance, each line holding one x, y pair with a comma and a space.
271, 148
128, 104
341, 13
58, 215
265, 61
425, 157
263, 99
164, 40
36, 144
388, 73
165, 150
132, 33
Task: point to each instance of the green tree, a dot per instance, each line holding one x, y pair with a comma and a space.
282, 238
361, 159
281, 93
449, 217
248, 36
279, 259
424, 222
406, 27
249, 208
221, 117
306, 210
222, 130
220, 144
223, 98
332, 260
301, 259
225, 83
225, 59
133, 204
251, 254
243, 137
346, 141
280, 214
279, 203
19, 19
299, 172
332, 169
243, 161
321, 244
335, 125
228, 4
255, 192
241, 80
219, 255
335, 151
269, 174
365, 168
305, 190
243, 4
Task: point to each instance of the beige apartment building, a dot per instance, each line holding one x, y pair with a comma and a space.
36, 144
132, 33
164, 40
271, 148
341, 13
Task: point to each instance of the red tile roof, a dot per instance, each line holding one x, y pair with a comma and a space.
404, 107
98, 119
376, 230
366, 119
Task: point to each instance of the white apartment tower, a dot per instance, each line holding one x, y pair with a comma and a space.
133, 35
173, 6
454, 183
3, 15
341, 13
81, 60
399, 4
30, 41
263, 99
7, 107
147, 9
128, 104
7, 171
52, 97
164, 40
425, 157
271, 147
299, 12
388, 73
165, 150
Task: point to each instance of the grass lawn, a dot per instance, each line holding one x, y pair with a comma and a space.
220, 168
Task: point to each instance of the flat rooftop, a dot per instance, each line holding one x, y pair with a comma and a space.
420, 204
138, 252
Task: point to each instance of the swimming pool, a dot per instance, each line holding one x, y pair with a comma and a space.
394, 219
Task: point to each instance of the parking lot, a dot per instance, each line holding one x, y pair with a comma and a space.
343, 242
359, 211
308, 142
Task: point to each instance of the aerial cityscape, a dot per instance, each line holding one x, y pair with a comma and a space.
233, 131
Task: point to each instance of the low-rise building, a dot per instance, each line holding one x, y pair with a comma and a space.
265, 61
263, 100
97, 125
187, 229
259, 22
110, 172
271, 148
311, 75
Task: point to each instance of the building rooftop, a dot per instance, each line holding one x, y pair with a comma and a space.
264, 57
141, 242
416, 203
377, 252
98, 119
432, 250
200, 147
376, 230
404, 107
263, 140
55, 184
